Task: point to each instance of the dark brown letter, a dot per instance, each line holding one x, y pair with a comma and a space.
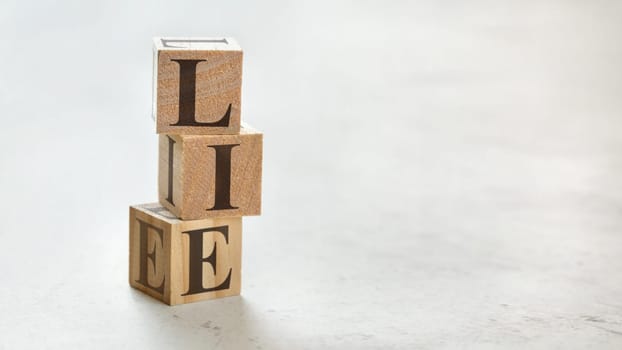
187, 97
196, 260
145, 255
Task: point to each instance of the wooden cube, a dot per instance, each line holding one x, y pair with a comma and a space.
203, 176
179, 261
197, 85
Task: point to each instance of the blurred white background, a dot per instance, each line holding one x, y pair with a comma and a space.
437, 174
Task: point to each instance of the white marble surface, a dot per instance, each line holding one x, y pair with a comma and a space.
438, 175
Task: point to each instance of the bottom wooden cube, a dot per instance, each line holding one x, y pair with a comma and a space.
182, 261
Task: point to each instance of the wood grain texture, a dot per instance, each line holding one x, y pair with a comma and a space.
218, 83
191, 192
168, 259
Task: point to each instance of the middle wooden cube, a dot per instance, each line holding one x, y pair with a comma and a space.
205, 176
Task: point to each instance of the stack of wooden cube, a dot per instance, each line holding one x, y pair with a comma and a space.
188, 247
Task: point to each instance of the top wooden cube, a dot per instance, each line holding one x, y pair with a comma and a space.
197, 85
